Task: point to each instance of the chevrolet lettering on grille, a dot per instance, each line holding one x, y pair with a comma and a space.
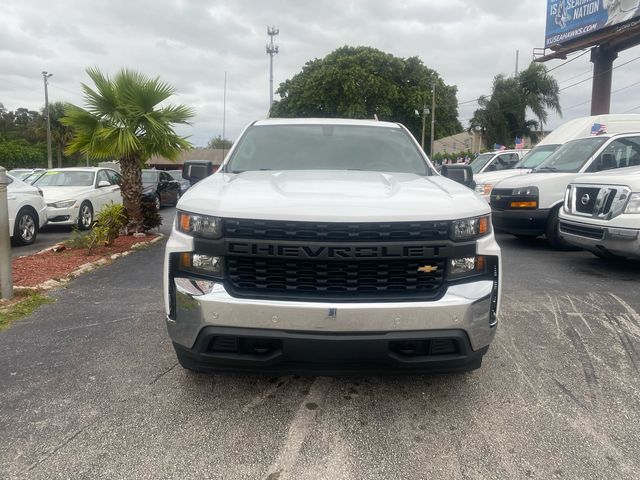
323, 252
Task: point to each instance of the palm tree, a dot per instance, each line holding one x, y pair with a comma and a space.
122, 120
61, 134
502, 116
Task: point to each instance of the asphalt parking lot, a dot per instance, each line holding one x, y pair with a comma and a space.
90, 389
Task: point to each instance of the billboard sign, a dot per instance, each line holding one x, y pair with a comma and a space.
568, 20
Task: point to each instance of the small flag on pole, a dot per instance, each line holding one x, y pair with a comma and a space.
519, 142
497, 146
598, 128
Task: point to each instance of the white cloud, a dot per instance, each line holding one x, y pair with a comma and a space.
191, 43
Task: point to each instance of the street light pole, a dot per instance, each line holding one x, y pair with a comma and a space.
45, 77
6, 284
425, 112
433, 116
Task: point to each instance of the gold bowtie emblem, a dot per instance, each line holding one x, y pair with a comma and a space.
428, 268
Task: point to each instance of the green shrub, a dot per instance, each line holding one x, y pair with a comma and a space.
109, 222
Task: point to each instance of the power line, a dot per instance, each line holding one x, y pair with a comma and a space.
614, 91
606, 71
568, 61
631, 109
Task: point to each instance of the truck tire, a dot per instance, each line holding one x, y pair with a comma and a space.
553, 235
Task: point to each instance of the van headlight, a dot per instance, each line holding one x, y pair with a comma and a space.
633, 205
199, 225
470, 228
484, 188
525, 191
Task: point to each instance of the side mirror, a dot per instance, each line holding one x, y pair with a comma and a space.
459, 173
196, 170
103, 183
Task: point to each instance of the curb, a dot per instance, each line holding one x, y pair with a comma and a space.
86, 267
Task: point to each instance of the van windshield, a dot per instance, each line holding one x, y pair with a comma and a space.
327, 147
571, 156
480, 161
536, 156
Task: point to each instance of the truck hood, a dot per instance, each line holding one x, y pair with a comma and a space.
629, 176
494, 177
55, 194
536, 179
332, 195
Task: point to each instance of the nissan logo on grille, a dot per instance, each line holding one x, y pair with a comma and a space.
585, 199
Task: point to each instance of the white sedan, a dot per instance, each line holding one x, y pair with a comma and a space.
27, 211
74, 195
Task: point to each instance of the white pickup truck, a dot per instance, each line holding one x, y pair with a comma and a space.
330, 245
602, 213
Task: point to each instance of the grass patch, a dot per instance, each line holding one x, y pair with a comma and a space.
26, 302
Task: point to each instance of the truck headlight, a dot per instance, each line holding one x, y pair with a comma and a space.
633, 205
465, 267
199, 225
469, 228
526, 191
62, 204
202, 264
484, 188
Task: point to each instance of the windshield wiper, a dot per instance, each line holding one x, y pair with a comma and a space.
545, 169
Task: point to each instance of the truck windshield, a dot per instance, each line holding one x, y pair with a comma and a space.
571, 156
536, 156
480, 161
326, 147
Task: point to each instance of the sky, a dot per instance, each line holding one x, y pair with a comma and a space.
192, 43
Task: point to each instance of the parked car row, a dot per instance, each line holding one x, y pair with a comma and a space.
72, 196
583, 189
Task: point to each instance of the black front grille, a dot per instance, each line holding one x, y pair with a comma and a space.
582, 230
334, 280
501, 198
586, 199
336, 232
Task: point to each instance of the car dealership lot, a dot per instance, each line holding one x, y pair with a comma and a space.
90, 389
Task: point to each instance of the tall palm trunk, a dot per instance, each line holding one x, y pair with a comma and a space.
59, 155
131, 190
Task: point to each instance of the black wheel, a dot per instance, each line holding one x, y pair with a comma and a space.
26, 227
156, 201
85, 216
553, 234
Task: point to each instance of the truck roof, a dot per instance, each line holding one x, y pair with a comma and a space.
325, 121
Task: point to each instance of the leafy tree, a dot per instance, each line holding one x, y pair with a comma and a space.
502, 116
220, 143
360, 82
122, 120
61, 134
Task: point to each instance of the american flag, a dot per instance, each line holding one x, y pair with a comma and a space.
598, 128
519, 142
497, 146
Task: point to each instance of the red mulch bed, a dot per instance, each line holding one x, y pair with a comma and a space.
33, 270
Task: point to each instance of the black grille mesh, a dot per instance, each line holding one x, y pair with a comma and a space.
332, 232
248, 275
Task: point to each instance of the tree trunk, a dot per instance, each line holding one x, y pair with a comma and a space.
59, 155
131, 190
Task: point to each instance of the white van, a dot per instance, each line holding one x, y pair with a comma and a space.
573, 129
528, 205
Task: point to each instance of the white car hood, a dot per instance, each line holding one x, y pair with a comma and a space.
56, 194
629, 176
494, 177
328, 195
536, 179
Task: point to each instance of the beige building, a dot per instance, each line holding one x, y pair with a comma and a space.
161, 163
460, 142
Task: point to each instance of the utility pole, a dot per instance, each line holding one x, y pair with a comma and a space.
271, 51
224, 113
45, 76
517, 55
425, 112
6, 284
433, 116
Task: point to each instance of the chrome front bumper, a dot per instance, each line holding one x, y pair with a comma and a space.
464, 307
624, 242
